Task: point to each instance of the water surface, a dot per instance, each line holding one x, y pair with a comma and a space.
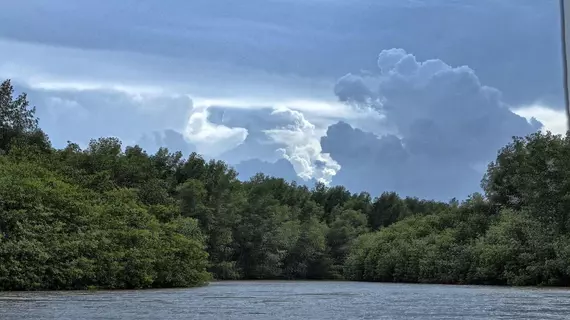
276, 300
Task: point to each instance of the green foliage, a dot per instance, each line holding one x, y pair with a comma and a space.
533, 173
73, 219
18, 124
518, 235
117, 217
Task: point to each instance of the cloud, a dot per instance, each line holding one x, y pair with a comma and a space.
378, 164
62, 68
155, 120
411, 116
257, 144
80, 115
280, 48
302, 147
444, 124
211, 139
277, 133
152, 120
554, 120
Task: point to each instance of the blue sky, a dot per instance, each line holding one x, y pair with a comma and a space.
193, 75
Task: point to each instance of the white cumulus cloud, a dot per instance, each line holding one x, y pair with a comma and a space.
553, 120
211, 139
302, 147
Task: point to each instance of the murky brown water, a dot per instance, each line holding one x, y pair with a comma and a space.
270, 300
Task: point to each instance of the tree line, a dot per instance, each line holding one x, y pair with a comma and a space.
109, 216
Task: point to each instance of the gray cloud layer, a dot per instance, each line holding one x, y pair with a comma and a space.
79, 115
513, 44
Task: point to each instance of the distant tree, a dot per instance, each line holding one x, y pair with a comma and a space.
533, 173
17, 119
387, 209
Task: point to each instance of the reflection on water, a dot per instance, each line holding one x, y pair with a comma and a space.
270, 300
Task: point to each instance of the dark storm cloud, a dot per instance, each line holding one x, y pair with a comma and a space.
447, 124
513, 44
352, 89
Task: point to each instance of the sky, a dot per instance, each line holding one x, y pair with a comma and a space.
410, 96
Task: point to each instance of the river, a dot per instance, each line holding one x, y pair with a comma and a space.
276, 300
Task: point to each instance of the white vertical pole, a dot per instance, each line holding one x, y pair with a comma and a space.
565, 30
